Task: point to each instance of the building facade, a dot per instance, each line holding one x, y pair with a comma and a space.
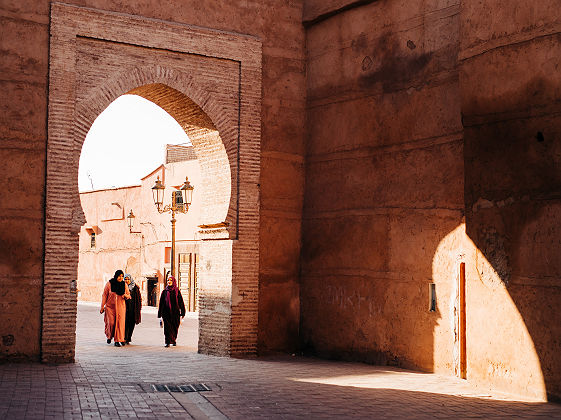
109, 243
381, 178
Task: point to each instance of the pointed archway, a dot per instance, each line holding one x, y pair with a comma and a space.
209, 81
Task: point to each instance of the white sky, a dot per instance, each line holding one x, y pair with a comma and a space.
125, 143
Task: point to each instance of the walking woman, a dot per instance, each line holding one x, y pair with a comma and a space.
170, 310
113, 304
134, 305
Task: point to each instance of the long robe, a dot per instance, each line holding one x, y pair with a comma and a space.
108, 306
171, 318
115, 313
133, 316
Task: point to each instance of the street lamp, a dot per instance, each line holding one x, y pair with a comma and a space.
180, 202
131, 218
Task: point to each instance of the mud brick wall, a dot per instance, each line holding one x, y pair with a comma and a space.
397, 142
384, 180
433, 145
277, 25
510, 88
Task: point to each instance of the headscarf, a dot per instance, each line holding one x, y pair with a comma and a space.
117, 287
131, 284
172, 292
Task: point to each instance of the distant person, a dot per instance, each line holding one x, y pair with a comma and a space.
134, 305
170, 310
113, 304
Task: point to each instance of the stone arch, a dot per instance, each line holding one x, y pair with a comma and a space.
213, 134
128, 56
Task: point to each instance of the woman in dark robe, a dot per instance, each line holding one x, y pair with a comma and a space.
171, 308
134, 305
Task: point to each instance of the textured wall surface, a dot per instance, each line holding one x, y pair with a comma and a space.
398, 140
510, 88
422, 115
25, 39
384, 181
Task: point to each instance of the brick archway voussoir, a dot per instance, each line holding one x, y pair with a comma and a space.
161, 86
229, 266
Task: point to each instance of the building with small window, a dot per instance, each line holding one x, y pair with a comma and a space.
125, 231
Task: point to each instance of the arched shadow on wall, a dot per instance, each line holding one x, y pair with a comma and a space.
513, 216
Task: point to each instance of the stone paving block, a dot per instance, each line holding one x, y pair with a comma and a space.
102, 383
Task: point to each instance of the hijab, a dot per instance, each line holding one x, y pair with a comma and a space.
117, 287
131, 284
172, 292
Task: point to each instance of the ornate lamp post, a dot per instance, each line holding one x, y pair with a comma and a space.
180, 202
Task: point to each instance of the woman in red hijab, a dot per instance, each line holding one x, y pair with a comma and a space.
171, 308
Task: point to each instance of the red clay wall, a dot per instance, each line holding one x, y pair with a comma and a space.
392, 168
510, 88
420, 113
24, 65
23, 136
384, 180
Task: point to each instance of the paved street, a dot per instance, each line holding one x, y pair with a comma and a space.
109, 382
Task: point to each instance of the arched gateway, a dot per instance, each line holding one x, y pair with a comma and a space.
210, 82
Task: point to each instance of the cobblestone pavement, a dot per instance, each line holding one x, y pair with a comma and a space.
107, 382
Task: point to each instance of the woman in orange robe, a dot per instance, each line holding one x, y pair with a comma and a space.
113, 304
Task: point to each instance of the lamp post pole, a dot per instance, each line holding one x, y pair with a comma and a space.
172, 242
180, 202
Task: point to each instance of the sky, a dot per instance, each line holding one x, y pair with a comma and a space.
125, 143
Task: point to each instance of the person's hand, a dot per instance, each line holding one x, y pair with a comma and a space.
101, 311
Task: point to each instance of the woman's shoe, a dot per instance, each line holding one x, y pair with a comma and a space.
108, 341
174, 344
167, 345
123, 343
117, 344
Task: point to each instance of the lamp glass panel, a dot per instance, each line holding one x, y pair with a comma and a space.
188, 196
157, 194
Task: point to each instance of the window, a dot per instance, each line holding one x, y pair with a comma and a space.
167, 255
92, 240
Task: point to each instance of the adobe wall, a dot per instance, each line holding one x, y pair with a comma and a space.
25, 39
115, 248
23, 136
510, 88
389, 160
384, 181
140, 253
399, 188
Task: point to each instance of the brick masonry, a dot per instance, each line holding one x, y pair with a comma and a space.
210, 82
